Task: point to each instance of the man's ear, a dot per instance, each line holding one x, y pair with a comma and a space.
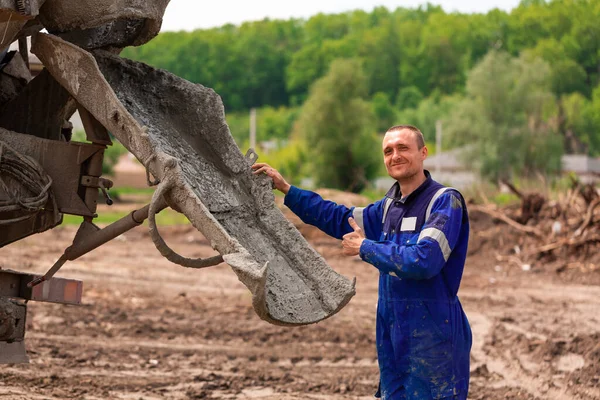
424, 152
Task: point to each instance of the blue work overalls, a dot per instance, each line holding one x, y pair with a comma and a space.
419, 245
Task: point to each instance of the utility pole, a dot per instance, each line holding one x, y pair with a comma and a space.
253, 128
438, 146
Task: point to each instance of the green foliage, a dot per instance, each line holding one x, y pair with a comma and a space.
425, 115
275, 123
291, 160
245, 64
271, 124
274, 62
381, 53
583, 117
505, 199
408, 97
416, 64
111, 157
335, 122
504, 118
567, 75
384, 112
111, 154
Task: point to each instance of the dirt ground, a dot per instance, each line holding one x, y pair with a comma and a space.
149, 329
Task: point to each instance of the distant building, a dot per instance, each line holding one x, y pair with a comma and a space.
448, 168
586, 167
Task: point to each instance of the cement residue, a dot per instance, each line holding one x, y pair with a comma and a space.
60, 16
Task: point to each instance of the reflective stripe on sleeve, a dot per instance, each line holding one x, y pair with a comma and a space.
357, 214
439, 237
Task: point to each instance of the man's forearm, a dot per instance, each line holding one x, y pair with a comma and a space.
312, 209
419, 261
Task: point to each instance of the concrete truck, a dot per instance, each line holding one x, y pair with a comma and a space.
178, 132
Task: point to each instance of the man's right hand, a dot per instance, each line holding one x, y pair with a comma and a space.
278, 182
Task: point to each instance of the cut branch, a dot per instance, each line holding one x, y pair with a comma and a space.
588, 218
512, 188
561, 243
498, 215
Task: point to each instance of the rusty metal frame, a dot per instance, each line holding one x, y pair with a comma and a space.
13, 284
76, 159
90, 237
14, 287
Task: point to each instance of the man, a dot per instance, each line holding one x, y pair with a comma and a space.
416, 236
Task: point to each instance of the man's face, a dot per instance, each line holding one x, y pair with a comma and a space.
401, 154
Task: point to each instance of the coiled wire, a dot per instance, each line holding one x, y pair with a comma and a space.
30, 175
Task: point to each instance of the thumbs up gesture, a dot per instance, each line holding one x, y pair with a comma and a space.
351, 241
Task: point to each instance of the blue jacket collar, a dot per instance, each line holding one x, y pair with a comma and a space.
396, 193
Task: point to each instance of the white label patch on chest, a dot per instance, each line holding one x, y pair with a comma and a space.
409, 224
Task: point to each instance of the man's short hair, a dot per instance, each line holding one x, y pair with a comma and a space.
414, 129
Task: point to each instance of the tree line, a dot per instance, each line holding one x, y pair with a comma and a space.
528, 78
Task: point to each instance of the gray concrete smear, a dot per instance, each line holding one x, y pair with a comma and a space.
178, 131
65, 16
118, 34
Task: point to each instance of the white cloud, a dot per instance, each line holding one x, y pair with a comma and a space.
190, 15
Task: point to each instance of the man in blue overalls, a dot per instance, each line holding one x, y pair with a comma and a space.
416, 236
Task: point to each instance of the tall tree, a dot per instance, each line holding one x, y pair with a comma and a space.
504, 118
383, 111
582, 122
336, 122
380, 50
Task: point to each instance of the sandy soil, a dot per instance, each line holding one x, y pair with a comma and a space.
149, 329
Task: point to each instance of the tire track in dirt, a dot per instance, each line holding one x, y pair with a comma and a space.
520, 319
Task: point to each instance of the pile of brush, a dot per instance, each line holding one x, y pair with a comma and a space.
564, 233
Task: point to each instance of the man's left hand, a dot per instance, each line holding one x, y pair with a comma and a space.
353, 240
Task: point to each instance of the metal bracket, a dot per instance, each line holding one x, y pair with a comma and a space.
90, 181
90, 237
97, 182
146, 164
251, 156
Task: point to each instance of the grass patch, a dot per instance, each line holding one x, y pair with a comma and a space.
164, 218
121, 190
505, 199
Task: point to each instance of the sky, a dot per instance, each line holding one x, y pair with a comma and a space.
190, 14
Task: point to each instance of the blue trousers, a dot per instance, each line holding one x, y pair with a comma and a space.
421, 354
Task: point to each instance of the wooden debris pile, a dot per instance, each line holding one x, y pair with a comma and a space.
540, 233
